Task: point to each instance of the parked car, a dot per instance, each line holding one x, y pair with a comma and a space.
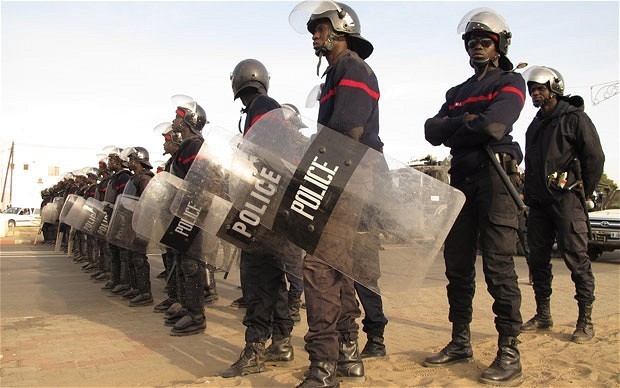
605, 226
21, 216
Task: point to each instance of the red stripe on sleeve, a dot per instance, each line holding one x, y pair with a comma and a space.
512, 89
359, 85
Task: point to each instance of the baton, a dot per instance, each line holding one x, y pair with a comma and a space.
174, 266
233, 258
502, 174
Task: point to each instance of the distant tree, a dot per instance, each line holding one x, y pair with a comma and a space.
607, 181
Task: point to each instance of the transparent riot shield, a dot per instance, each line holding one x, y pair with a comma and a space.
72, 212
368, 216
154, 220
120, 231
97, 224
228, 189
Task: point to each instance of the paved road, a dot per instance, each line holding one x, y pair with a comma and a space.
59, 329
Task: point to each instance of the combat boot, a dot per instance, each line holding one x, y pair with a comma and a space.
542, 319
322, 374
294, 304
280, 352
141, 300
174, 313
251, 360
458, 350
349, 365
163, 306
103, 276
374, 347
130, 294
189, 324
120, 289
584, 331
506, 368
109, 285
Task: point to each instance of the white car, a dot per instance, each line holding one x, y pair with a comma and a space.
21, 216
605, 226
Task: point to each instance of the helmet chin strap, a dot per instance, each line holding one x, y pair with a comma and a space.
329, 44
486, 63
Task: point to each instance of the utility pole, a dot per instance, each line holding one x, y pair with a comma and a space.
9, 169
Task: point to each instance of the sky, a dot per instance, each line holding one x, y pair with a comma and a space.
86, 75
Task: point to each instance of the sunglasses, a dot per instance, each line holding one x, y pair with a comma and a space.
484, 42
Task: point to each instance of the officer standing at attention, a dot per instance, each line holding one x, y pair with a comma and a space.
349, 104
172, 141
141, 166
480, 113
263, 285
188, 317
563, 163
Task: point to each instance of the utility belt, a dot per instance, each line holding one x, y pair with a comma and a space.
566, 179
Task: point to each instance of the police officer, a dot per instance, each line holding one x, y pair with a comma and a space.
141, 167
263, 284
480, 113
172, 141
563, 163
91, 242
105, 256
188, 317
119, 257
349, 105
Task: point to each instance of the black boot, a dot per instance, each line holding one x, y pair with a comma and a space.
542, 320
458, 350
294, 303
280, 352
349, 365
174, 313
163, 306
374, 347
584, 331
189, 324
322, 374
251, 360
130, 294
506, 368
120, 289
142, 300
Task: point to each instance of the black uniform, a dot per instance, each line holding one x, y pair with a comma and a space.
190, 271
349, 99
137, 257
489, 213
119, 271
263, 285
566, 141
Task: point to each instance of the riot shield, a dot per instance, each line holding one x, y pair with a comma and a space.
97, 224
226, 190
51, 212
72, 212
368, 216
154, 220
120, 231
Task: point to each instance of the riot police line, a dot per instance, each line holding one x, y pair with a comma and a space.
265, 196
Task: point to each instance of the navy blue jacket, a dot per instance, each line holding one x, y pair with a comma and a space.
497, 99
350, 99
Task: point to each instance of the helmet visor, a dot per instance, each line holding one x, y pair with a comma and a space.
483, 17
300, 15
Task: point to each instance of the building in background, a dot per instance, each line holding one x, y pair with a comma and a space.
35, 167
